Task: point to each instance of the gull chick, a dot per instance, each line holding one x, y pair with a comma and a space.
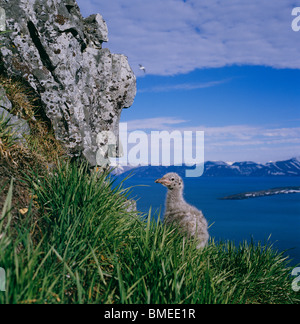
189, 220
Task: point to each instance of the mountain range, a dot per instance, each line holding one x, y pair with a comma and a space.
288, 168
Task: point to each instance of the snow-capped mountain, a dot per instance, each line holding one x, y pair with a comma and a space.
288, 168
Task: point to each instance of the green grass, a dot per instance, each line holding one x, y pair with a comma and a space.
85, 247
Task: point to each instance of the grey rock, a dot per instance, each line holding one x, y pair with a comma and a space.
2, 20
4, 101
19, 126
83, 87
97, 29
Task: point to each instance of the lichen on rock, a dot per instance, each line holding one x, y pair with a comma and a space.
82, 86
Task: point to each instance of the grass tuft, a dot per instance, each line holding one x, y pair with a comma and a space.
88, 248
25, 104
8, 139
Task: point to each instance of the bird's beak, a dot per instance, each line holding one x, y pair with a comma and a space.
163, 181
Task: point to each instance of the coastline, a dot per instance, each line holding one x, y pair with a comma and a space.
263, 193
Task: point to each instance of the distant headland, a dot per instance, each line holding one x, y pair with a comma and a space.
263, 193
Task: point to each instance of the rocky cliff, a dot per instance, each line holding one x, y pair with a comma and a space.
82, 86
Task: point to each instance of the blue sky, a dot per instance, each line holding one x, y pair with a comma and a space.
230, 68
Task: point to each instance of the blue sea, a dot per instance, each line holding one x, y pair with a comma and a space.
277, 217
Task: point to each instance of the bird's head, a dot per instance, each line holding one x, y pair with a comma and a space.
171, 181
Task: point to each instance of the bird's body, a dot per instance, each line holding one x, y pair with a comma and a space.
189, 220
142, 68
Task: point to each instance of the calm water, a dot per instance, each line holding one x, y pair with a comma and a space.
237, 220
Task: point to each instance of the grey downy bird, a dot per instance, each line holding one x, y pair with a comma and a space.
189, 220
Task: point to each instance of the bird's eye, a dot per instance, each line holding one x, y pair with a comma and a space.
173, 179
